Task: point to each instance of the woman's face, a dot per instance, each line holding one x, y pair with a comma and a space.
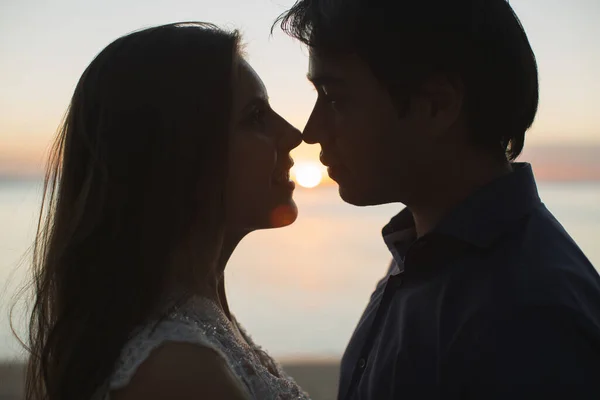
259, 190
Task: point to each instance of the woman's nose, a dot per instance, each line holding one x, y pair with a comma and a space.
291, 137
295, 137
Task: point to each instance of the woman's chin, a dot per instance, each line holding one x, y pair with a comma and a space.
283, 215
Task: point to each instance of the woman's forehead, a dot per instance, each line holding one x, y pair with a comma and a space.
248, 80
248, 86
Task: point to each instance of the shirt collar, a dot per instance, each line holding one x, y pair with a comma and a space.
398, 235
479, 220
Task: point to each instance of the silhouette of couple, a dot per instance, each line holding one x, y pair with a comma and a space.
170, 154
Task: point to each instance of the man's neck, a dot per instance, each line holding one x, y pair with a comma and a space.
454, 183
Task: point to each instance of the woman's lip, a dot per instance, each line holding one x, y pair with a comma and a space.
288, 185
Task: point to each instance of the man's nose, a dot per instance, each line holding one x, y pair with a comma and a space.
313, 131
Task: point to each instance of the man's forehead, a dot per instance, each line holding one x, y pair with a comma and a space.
322, 65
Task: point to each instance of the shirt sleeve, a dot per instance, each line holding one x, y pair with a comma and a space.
540, 352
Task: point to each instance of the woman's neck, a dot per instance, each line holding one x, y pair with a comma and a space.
230, 242
212, 286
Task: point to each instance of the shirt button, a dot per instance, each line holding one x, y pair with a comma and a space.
362, 363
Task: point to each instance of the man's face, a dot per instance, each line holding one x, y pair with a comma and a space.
374, 152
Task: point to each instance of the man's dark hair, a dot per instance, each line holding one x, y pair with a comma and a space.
481, 42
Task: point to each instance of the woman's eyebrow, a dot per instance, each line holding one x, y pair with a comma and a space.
256, 102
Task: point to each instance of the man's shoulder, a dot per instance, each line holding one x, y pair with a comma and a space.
535, 264
541, 265
541, 245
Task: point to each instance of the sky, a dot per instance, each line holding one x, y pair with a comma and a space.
46, 45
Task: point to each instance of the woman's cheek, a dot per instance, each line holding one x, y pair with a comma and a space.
263, 153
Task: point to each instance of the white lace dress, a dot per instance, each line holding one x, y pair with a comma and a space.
200, 321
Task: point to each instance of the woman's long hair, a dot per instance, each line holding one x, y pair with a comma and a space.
135, 179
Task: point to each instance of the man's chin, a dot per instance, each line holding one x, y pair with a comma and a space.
362, 197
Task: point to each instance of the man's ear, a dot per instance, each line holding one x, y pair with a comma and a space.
402, 104
445, 94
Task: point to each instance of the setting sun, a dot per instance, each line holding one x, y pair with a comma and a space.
307, 174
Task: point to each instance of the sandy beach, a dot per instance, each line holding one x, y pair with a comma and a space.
318, 378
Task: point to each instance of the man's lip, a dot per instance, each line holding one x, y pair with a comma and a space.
334, 172
324, 160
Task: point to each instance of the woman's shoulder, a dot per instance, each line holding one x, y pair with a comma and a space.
147, 340
206, 339
183, 371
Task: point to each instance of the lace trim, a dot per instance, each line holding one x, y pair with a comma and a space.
200, 322
137, 351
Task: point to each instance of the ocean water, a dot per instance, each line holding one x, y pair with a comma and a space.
299, 291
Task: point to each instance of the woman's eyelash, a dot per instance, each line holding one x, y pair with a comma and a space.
257, 117
257, 113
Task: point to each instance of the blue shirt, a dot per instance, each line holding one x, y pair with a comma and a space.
497, 302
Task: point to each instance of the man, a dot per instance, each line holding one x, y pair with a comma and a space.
426, 102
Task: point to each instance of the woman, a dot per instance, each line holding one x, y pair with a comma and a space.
168, 156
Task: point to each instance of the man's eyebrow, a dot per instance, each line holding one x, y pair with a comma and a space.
320, 80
